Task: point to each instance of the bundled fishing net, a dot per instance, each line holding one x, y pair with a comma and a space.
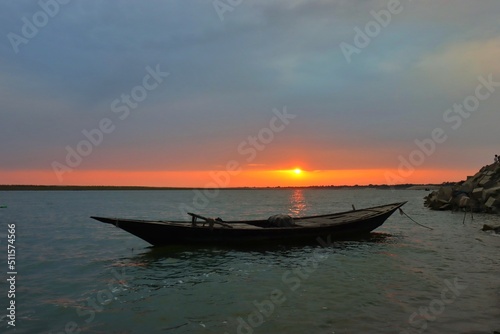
281, 221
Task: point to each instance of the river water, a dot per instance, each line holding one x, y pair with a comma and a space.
76, 275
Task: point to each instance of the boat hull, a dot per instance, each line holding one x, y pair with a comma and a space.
342, 225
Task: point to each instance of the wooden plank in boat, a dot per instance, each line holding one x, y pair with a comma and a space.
245, 226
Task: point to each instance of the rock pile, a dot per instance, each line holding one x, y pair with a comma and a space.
479, 193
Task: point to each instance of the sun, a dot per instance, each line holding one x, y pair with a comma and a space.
297, 171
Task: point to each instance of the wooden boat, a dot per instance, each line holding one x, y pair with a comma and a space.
342, 225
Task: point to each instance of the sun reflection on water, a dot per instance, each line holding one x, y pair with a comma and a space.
298, 203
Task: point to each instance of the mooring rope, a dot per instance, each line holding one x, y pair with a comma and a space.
401, 212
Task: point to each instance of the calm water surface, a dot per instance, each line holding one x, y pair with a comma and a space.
76, 274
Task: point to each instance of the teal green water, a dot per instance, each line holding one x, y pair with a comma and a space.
78, 275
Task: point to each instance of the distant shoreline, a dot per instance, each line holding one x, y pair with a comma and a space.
107, 188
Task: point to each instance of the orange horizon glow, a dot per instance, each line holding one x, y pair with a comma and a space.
222, 179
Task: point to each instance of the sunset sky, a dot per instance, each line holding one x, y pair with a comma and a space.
241, 93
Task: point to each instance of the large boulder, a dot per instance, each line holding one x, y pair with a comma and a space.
477, 193
493, 191
487, 227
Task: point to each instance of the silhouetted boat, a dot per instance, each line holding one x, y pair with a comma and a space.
342, 225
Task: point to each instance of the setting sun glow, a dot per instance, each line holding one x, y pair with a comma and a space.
244, 178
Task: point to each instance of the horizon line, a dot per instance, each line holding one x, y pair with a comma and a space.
124, 187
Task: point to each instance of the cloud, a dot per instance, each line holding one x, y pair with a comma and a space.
454, 68
227, 76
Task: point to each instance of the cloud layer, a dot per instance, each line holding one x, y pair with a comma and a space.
226, 76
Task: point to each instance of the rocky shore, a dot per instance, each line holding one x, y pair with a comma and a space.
479, 193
